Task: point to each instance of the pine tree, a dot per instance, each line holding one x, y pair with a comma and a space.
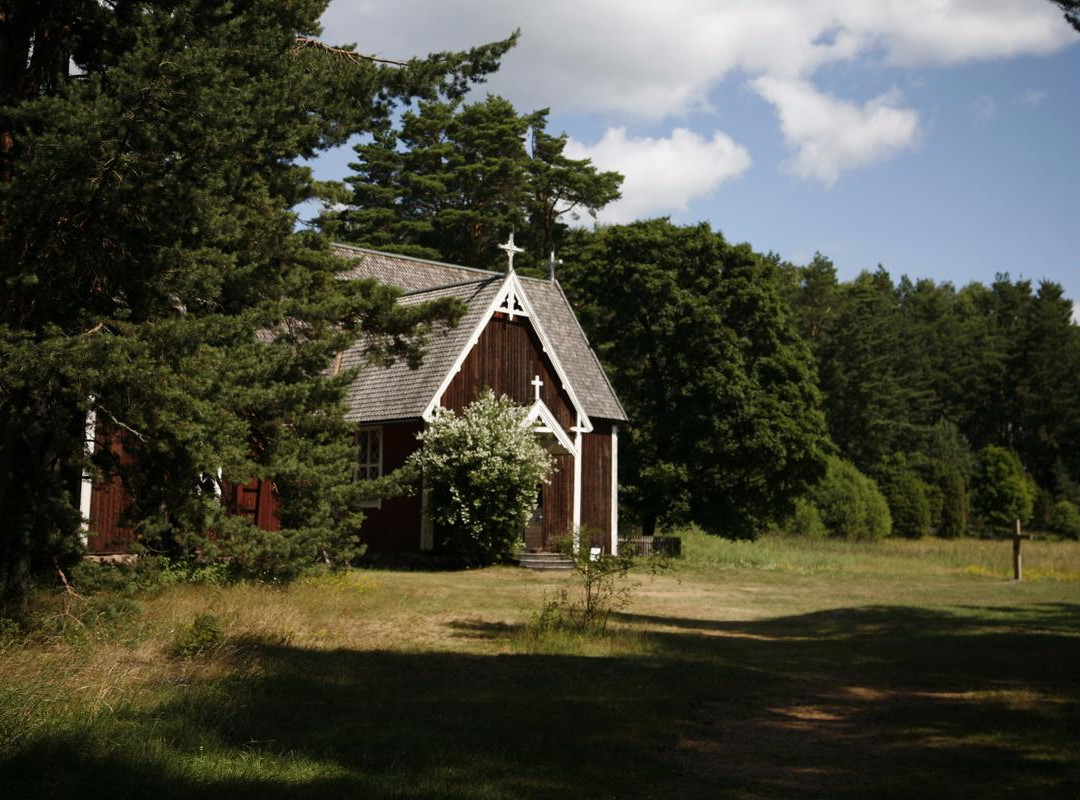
151, 272
454, 180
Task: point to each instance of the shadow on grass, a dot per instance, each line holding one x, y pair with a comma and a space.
848, 703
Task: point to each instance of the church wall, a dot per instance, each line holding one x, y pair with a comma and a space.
596, 483
394, 527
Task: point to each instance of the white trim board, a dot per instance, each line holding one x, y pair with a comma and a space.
86, 487
614, 490
540, 412
511, 288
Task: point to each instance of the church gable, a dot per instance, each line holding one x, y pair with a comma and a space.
508, 358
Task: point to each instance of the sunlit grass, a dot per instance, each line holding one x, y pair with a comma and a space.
748, 669
1043, 559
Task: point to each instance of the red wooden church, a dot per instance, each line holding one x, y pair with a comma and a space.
519, 337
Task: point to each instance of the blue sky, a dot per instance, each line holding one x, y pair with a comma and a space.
939, 138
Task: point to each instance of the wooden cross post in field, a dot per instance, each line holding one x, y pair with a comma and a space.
1018, 566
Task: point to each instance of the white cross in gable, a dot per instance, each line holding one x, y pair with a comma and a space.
511, 249
537, 383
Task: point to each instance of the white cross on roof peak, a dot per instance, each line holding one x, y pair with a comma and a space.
511, 249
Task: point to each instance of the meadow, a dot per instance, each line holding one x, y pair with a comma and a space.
776, 668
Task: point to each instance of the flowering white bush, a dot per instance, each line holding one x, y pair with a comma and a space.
482, 470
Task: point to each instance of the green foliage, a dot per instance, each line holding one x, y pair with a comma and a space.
945, 463
955, 505
201, 636
725, 422
481, 470
906, 495
150, 270
455, 179
924, 369
807, 521
1065, 519
850, 504
602, 587
1003, 492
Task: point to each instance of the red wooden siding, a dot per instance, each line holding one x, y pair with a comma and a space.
558, 508
506, 358
395, 527
108, 502
596, 482
257, 501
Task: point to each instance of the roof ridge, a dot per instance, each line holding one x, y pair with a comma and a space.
418, 260
413, 292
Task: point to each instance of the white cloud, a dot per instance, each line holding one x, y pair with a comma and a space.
831, 136
1076, 312
1033, 97
656, 60
662, 175
983, 108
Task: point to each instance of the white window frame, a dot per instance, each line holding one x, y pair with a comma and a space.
369, 465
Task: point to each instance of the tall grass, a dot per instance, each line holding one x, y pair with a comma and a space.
746, 664
1043, 560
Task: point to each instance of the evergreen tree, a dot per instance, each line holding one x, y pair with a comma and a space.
872, 404
454, 180
1071, 9
725, 422
151, 273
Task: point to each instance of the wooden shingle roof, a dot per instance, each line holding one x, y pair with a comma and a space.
397, 392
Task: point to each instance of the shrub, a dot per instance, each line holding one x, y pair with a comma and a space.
1064, 519
200, 636
906, 495
850, 504
482, 470
600, 589
1003, 493
955, 505
806, 520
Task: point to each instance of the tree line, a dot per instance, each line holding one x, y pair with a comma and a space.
941, 392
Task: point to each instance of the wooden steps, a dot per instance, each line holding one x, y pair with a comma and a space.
544, 561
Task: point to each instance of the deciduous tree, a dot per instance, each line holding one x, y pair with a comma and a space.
725, 421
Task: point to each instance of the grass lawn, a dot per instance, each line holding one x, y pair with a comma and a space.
780, 668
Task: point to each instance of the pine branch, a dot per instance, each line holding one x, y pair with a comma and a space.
349, 55
123, 425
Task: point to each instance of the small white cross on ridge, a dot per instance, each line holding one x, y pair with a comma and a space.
537, 383
510, 249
